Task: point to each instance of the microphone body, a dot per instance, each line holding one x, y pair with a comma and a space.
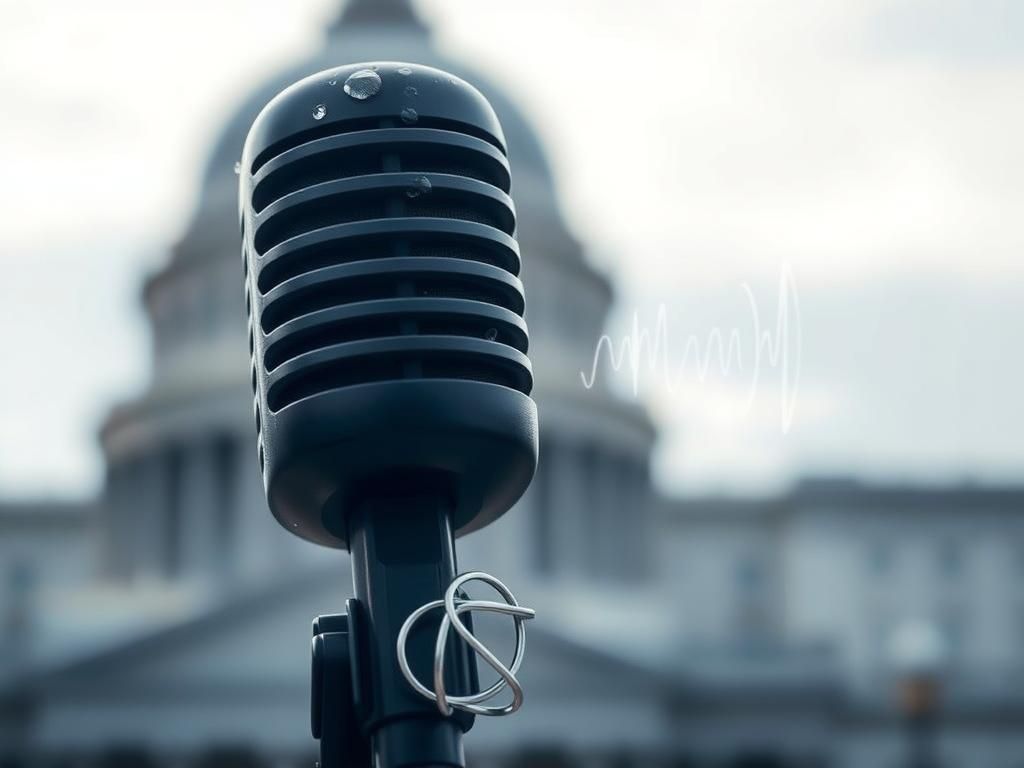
389, 369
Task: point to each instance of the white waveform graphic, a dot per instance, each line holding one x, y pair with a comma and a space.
647, 350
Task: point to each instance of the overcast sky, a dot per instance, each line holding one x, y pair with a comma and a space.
701, 148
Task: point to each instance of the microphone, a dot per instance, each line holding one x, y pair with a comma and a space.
390, 374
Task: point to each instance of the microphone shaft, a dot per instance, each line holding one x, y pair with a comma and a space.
403, 556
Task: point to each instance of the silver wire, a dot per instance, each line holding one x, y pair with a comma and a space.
453, 608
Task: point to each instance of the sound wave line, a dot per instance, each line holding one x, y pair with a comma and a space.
641, 349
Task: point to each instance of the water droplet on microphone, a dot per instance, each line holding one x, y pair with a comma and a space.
420, 186
405, 70
410, 91
491, 334
363, 84
319, 112
238, 168
410, 116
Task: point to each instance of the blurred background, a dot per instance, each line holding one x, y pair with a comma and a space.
772, 260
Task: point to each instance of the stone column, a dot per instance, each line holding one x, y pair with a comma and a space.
199, 514
171, 518
228, 455
642, 473
538, 547
146, 503
116, 554
254, 526
567, 509
590, 502
608, 518
635, 500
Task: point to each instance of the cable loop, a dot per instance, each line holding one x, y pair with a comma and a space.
453, 608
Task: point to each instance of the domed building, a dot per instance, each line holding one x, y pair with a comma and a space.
184, 523
719, 633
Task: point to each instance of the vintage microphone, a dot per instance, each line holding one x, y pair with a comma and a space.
391, 385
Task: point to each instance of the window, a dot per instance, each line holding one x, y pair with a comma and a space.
541, 508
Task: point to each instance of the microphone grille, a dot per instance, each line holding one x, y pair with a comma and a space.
384, 249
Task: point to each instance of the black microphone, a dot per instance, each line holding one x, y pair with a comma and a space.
389, 361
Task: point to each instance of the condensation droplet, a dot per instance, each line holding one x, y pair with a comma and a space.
420, 185
405, 70
319, 112
410, 116
410, 91
491, 334
238, 168
363, 84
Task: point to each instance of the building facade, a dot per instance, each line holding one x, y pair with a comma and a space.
167, 624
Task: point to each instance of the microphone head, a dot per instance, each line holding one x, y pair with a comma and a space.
385, 309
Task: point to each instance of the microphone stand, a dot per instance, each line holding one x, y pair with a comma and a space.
363, 709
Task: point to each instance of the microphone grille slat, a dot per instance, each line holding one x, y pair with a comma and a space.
390, 359
367, 320
387, 279
340, 156
382, 196
365, 241
356, 125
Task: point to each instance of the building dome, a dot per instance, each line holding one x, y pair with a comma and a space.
371, 30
